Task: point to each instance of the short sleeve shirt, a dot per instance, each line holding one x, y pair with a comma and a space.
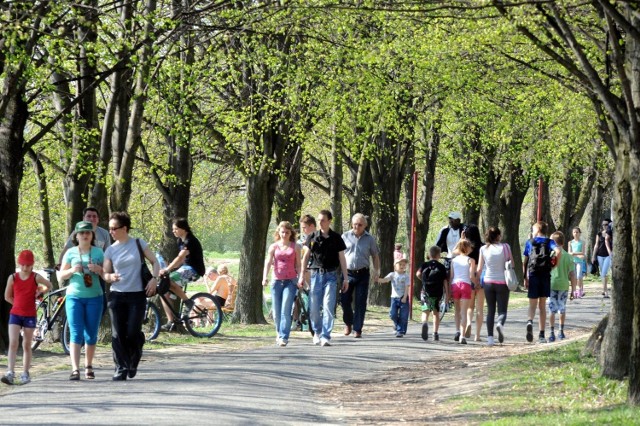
195, 258
560, 274
434, 275
399, 283
126, 261
527, 245
77, 287
325, 250
359, 250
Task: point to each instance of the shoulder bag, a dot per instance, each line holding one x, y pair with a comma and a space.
145, 273
510, 276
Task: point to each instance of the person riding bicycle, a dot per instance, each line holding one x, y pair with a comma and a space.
187, 266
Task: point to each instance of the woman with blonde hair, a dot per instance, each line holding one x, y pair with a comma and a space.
284, 255
462, 277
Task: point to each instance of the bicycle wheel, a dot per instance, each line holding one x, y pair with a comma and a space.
151, 322
41, 326
205, 317
444, 306
66, 336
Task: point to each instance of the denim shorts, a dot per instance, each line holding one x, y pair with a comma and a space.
25, 322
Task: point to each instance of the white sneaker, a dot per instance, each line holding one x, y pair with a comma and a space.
282, 342
24, 378
500, 329
316, 339
490, 341
325, 342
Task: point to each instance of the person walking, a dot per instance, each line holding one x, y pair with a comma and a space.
462, 277
82, 267
493, 256
128, 296
361, 246
284, 256
472, 233
602, 249
326, 259
449, 235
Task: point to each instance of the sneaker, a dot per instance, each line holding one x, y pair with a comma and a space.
490, 341
561, 335
552, 338
325, 342
499, 328
24, 378
399, 334
8, 378
316, 339
436, 337
530, 332
467, 331
282, 342
541, 339
457, 337
170, 326
463, 341
425, 331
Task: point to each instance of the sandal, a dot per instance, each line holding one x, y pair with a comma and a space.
88, 373
75, 375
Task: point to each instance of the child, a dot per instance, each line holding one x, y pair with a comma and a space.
399, 311
576, 249
462, 276
433, 275
560, 277
397, 252
22, 289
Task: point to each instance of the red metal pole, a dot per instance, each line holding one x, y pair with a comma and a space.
412, 246
540, 183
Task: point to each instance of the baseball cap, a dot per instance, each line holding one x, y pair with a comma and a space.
455, 215
26, 258
84, 226
401, 260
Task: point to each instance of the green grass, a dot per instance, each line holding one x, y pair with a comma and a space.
558, 386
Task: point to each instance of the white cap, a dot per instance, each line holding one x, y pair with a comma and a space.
455, 215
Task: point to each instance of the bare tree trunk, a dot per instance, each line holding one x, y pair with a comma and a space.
511, 206
335, 190
289, 196
45, 221
574, 199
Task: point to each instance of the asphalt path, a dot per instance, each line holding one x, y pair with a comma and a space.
270, 385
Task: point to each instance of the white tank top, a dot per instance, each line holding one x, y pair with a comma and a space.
460, 265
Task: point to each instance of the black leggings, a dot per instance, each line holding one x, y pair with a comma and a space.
127, 338
496, 293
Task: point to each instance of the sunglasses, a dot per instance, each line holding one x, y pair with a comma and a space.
111, 228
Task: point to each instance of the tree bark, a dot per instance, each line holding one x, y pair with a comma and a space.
289, 196
511, 207
45, 220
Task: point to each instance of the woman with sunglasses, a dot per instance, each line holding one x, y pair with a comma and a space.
128, 294
82, 267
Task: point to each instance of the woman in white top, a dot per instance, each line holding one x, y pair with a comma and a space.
462, 276
492, 257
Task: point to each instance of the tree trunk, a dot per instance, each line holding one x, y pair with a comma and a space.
335, 189
12, 129
511, 206
45, 220
546, 205
289, 196
574, 199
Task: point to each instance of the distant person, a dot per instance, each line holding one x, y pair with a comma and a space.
82, 267
307, 227
602, 250
23, 287
221, 289
187, 266
325, 258
449, 236
360, 254
128, 294
472, 233
462, 276
284, 256
537, 265
397, 252
400, 284
102, 240
561, 275
493, 256
576, 249
435, 284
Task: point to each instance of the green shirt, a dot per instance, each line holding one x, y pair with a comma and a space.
560, 274
77, 287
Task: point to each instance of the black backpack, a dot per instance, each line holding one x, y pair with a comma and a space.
540, 257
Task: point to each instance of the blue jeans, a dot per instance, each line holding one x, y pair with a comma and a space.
282, 295
323, 296
84, 315
399, 314
358, 284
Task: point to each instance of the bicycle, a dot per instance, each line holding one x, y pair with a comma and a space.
49, 314
301, 305
203, 319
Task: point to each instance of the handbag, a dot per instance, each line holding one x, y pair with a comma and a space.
510, 276
595, 267
164, 282
145, 273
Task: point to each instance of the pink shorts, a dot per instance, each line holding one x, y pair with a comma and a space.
461, 290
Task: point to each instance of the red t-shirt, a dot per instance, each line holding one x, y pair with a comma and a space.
24, 295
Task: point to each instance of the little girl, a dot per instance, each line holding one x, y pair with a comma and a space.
22, 289
399, 311
463, 280
576, 249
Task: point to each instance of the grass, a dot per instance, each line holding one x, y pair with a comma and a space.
557, 386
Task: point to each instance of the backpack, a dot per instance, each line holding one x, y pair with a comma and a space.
540, 257
431, 283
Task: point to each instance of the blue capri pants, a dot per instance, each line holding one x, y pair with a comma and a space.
84, 314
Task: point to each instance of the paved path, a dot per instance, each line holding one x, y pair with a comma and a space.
270, 385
